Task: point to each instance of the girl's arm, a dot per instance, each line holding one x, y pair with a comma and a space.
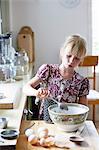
29, 88
83, 100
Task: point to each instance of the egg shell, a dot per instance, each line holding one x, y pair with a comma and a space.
29, 132
40, 129
47, 142
63, 142
43, 134
50, 141
42, 141
33, 139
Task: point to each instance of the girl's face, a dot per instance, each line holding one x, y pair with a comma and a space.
70, 60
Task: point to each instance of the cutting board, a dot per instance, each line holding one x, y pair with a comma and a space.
89, 133
12, 94
25, 41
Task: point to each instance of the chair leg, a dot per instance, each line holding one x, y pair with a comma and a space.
94, 109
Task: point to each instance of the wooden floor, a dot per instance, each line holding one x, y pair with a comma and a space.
97, 125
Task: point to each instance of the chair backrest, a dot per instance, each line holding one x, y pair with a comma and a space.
91, 61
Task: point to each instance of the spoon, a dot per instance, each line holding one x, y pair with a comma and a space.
29, 127
77, 137
60, 105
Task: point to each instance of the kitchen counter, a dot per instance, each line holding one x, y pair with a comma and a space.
15, 115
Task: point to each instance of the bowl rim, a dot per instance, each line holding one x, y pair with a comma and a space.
72, 104
7, 133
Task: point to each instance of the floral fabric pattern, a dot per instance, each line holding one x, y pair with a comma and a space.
68, 89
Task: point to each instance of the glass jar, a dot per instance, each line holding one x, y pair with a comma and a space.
7, 72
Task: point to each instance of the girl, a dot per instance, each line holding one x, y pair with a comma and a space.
62, 82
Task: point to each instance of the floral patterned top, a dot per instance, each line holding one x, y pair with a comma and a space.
68, 89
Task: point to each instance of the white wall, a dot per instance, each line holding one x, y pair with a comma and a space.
51, 23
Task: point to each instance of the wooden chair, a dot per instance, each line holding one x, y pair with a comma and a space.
93, 97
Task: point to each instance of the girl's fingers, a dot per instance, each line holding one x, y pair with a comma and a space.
43, 93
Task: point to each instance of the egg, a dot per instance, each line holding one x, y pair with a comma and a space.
33, 139
29, 132
62, 141
42, 141
42, 132
42, 129
50, 140
46, 142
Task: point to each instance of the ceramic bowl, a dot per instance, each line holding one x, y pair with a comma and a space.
71, 119
9, 134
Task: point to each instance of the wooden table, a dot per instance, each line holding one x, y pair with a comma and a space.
90, 134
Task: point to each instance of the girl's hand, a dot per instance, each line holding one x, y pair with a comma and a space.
42, 93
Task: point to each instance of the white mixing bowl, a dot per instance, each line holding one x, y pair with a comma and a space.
71, 119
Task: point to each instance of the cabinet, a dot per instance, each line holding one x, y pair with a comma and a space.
31, 111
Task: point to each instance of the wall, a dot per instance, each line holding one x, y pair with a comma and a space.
51, 23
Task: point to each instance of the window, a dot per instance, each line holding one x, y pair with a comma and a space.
95, 29
0, 17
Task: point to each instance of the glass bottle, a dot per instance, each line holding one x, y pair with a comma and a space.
1, 44
18, 66
25, 63
2, 68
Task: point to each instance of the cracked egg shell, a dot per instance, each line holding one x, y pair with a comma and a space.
33, 139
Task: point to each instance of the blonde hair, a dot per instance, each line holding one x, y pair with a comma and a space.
74, 44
